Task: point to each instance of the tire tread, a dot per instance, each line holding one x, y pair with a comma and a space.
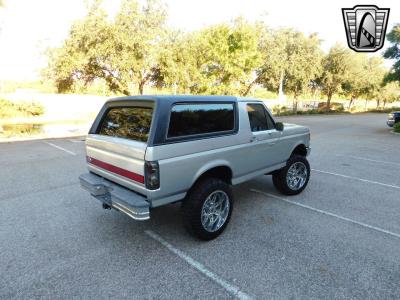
193, 203
279, 178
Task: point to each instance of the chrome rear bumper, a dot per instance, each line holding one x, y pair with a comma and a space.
113, 195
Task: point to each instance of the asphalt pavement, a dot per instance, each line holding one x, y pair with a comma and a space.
339, 239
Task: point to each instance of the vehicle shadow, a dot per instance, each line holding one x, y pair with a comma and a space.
383, 130
168, 219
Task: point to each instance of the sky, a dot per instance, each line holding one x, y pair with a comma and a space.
28, 27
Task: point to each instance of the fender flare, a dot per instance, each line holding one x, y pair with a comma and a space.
210, 165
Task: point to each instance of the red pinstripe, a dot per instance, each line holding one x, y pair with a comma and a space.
117, 170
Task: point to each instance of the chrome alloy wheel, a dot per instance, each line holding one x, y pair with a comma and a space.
296, 176
215, 211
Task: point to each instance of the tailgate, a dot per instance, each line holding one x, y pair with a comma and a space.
116, 148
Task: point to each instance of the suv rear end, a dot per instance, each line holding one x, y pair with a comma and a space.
116, 147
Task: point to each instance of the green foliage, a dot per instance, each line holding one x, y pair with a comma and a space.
303, 62
10, 109
393, 52
121, 51
396, 127
335, 71
228, 56
217, 60
364, 78
135, 49
390, 92
177, 63
289, 57
352, 74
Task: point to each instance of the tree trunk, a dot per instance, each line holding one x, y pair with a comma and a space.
377, 103
328, 102
141, 87
351, 102
384, 103
295, 103
281, 95
248, 89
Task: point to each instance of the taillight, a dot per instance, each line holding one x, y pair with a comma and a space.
152, 175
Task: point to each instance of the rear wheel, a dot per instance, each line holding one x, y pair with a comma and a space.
292, 179
208, 208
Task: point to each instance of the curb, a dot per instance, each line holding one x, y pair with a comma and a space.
35, 138
392, 132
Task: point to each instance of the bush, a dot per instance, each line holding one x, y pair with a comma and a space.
396, 127
10, 109
335, 106
31, 108
284, 111
384, 110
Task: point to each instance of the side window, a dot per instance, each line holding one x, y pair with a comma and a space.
201, 118
259, 118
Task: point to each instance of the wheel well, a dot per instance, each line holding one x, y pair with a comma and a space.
222, 172
300, 150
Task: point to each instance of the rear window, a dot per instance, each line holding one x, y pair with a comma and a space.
200, 118
127, 122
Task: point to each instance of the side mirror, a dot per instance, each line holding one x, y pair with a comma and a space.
279, 126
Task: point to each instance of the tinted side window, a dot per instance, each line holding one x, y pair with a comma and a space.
200, 118
127, 122
259, 118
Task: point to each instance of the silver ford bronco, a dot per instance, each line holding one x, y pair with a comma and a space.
148, 151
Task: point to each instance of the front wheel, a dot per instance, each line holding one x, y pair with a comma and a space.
208, 208
292, 179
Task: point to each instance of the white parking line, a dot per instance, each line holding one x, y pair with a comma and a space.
234, 290
371, 160
328, 213
60, 148
359, 179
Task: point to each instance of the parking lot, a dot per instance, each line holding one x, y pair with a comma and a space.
340, 238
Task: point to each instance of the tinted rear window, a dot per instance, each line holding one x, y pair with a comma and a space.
127, 122
193, 119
